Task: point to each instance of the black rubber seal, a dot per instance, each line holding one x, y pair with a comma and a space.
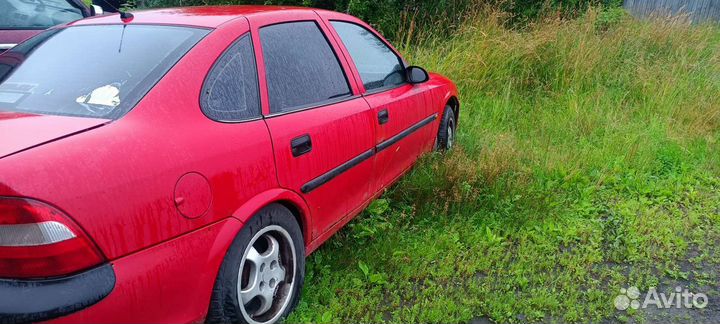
23, 301
389, 142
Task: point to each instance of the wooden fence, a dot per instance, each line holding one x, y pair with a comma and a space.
695, 10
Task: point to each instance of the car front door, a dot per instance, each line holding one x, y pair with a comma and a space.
402, 115
322, 130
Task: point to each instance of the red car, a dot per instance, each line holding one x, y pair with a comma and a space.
180, 165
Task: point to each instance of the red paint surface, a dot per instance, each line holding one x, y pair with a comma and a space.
27, 130
168, 283
193, 195
118, 179
9, 36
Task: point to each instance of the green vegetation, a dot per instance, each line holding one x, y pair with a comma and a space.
587, 161
392, 17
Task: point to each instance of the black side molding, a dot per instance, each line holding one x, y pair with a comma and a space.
392, 140
23, 301
323, 179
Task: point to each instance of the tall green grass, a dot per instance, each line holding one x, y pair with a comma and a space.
580, 98
588, 161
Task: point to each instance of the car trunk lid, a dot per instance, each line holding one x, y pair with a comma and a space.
22, 131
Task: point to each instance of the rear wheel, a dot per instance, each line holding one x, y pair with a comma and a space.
263, 272
446, 132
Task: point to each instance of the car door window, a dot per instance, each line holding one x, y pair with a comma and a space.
300, 67
377, 64
230, 92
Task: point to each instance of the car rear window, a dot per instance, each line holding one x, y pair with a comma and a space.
90, 71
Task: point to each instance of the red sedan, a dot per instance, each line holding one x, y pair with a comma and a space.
179, 166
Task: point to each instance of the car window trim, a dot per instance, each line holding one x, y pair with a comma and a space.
313, 105
385, 89
386, 43
161, 24
321, 104
257, 81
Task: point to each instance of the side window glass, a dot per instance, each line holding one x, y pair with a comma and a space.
378, 65
300, 66
230, 92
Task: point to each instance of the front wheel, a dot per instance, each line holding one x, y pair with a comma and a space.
262, 274
446, 131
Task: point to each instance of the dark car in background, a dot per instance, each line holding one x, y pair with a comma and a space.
22, 19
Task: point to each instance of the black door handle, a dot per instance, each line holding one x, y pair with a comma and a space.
301, 145
383, 116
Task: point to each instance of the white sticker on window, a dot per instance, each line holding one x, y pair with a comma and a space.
107, 95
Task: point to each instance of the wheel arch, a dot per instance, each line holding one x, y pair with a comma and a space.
300, 217
284, 197
454, 103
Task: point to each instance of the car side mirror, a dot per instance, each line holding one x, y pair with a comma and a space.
96, 10
416, 74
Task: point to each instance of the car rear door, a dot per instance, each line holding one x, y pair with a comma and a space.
322, 130
402, 113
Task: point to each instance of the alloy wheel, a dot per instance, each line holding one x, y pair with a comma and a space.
266, 276
450, 134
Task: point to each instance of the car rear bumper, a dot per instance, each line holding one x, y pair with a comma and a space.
167, 283
24, 301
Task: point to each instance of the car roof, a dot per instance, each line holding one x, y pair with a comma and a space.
200, 16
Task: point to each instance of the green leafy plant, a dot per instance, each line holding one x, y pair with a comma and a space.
372, 277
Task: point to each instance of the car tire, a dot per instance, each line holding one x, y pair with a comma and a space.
254, 285
446, 132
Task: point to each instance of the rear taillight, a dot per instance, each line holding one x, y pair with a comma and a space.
39, 241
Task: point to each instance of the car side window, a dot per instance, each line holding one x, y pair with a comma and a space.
230, 92
378, 65
301, 68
